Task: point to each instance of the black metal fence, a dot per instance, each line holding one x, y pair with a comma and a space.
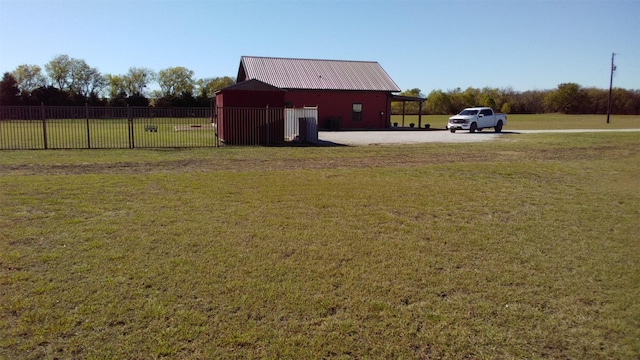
266, 126
88, 127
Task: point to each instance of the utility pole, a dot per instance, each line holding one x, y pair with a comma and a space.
613, 68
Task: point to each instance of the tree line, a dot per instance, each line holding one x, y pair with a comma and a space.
72, 82
567, 98
69, 81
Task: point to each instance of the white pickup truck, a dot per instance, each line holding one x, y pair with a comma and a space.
476, 119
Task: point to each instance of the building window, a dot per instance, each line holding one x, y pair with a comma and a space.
356, 112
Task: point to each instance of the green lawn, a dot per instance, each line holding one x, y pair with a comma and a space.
518, 248
106, 133
538, 121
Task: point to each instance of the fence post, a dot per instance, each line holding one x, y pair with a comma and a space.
268, 126
214, 127
86, 113
130, 122
44, 125
216, 120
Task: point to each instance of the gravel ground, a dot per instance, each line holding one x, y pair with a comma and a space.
435, 136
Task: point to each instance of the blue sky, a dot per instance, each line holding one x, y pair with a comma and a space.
522, 44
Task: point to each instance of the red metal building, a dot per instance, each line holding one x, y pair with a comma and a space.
250, 94
243, 117
348, 94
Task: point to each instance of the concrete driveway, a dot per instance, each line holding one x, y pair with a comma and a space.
379, 137
375, 137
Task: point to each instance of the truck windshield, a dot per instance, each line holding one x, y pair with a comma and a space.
468, 112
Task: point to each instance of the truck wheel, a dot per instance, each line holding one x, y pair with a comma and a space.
498, 127
473, 127
453, 130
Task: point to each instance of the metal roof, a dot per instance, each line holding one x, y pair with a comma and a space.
252, 85
309, 74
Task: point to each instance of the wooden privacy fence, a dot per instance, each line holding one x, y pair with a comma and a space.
301, 125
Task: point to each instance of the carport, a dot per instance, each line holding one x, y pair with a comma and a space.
404, 100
